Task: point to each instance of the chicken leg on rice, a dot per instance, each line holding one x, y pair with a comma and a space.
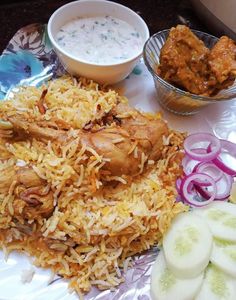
126, 146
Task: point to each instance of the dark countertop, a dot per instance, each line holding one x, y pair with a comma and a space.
158, 14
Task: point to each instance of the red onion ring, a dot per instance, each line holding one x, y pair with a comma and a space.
223, 188
192, 139
231, 150
208, 175
189, 164
178, 198
178, 185
210, 169
189, 195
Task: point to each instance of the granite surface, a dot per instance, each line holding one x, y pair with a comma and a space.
158, 14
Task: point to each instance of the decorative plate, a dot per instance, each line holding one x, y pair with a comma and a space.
30, 60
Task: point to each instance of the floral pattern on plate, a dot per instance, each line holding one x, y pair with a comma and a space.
30, 60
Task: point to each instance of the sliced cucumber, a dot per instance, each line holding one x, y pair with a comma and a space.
221, 217
224, 256
217, 285
187, 245
232, 196
166, 286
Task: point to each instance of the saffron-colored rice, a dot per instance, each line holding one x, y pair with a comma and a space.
94, 228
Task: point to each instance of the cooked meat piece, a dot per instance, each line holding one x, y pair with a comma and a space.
222, 61
27, 177
105, 143
113, 142
148, 132
116, 143
26, 128
183, 60
117, 148
187, 63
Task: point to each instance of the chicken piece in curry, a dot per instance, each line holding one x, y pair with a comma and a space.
188, 64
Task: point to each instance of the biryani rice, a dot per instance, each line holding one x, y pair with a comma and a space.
93, 229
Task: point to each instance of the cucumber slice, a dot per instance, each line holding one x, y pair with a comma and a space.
166, 286
221, 217
232, 196
187, 245
217, 285
224, 256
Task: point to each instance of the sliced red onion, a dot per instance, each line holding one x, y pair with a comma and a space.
189, 164
199, 138
210, 169
190, 196
178, 198
178, 184
228, 150
223, 188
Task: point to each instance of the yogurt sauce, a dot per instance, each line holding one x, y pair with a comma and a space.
100, 40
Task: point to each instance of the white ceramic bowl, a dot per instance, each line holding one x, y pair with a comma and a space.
108, 74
